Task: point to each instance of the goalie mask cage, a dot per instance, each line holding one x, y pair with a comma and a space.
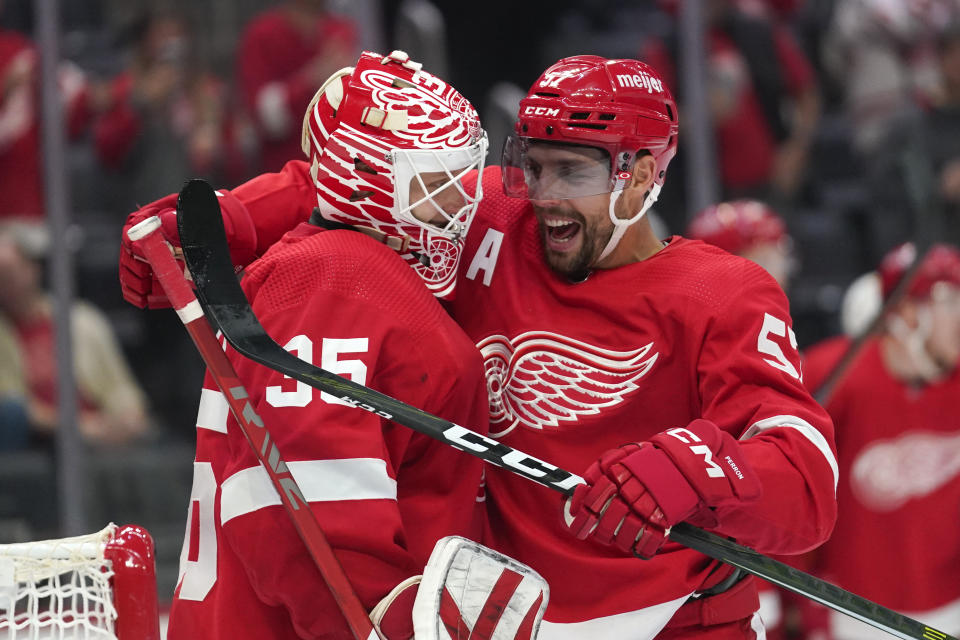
101, 586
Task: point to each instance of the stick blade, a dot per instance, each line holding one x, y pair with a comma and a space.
207, 254
204, 242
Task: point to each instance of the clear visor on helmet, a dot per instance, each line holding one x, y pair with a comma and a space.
429, 186
543, 170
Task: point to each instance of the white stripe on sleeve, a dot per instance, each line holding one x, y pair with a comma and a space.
805, 428
320, 480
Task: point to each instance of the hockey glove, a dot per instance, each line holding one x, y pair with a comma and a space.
466, 591
140, 287
635, 493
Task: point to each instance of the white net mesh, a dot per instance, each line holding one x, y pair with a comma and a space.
57, 589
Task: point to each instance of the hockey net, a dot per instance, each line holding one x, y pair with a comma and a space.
101, 586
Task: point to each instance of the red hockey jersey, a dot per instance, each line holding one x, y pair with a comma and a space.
576, 369
897, 541
382, 493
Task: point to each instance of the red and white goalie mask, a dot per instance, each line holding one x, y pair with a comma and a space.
390, 146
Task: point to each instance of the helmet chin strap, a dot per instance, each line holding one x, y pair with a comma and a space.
400, 244
915, 342
620, 225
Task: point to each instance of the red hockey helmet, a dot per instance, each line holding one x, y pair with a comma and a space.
738, 225
372, 133
622, 107
941, 264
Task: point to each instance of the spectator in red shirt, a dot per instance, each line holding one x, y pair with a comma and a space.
166, 118
21, 185
20, 190
755, 68
285, 55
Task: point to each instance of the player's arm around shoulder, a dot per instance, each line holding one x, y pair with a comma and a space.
751, 385
255, 215
277, 202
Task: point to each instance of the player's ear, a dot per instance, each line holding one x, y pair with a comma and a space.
644, 172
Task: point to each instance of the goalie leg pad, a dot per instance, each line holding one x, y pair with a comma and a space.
470, 591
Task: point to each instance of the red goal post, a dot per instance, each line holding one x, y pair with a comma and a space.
99, 586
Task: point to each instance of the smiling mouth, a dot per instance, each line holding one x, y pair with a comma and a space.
561, 231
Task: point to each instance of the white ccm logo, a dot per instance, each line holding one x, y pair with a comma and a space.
640, 81
688, 437
541, 111
501, 455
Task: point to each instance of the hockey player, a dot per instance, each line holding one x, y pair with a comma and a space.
897, 434
597, 334
594, 334
389, 145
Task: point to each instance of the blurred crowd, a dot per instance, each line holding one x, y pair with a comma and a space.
139, 132
836, 138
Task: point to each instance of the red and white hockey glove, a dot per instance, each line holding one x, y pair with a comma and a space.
466, 591
140, 287
635, 493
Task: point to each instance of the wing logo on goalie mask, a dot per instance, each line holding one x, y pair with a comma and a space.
437, 115
542, 380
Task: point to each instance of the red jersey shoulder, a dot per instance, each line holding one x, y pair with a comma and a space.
708, 276
309, 261
292, 182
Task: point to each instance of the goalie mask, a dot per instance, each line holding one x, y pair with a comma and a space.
621, 107
389, 146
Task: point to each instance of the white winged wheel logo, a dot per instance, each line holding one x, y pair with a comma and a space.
541, 379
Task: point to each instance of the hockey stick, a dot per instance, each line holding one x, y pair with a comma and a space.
915, 167
181, 296
207, 255
824, 393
